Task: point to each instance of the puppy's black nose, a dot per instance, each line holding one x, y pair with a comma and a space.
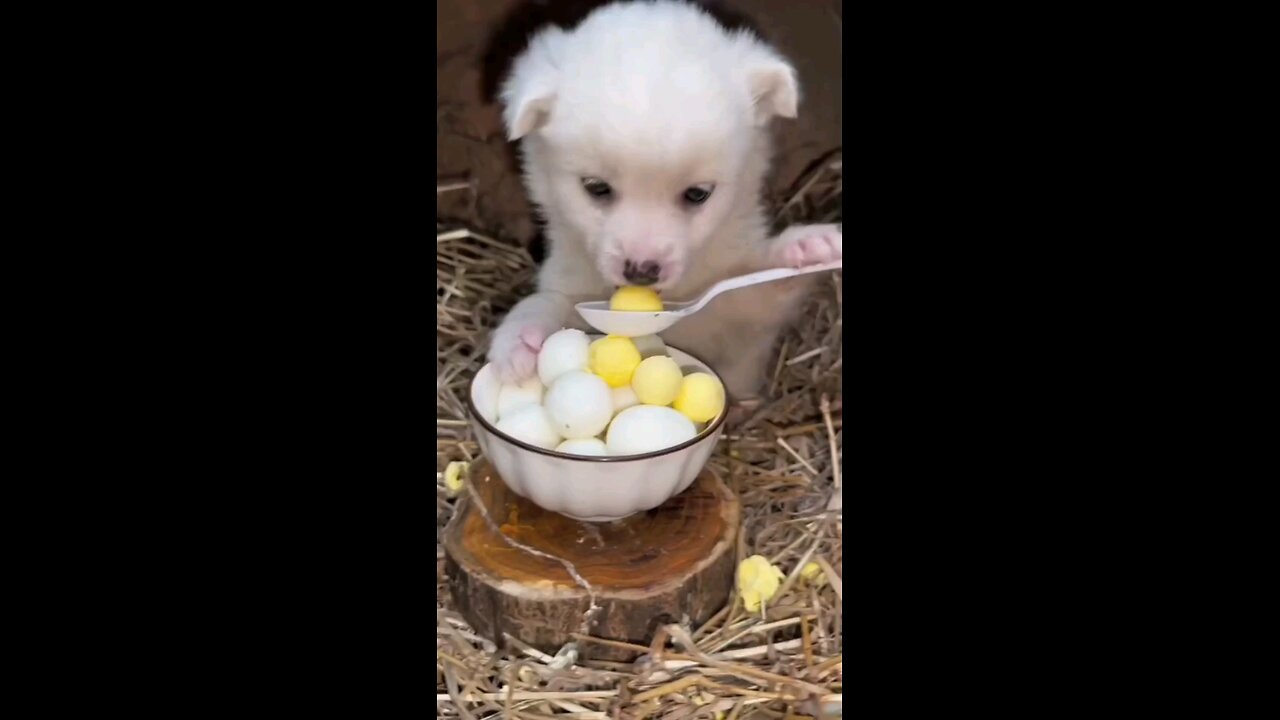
641, 273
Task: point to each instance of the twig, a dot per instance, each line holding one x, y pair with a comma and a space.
444, 187
805, 356
832, 577
754, 629
682, 638
675, 686
527, 695
825, 405
804, 637
796, 455
757, 651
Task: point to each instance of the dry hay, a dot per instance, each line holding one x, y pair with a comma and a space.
783, 663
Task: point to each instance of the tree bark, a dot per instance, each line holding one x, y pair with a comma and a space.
651, 568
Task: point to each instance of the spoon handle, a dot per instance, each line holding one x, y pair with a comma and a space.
756, 278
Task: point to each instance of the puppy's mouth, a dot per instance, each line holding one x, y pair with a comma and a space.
616, 273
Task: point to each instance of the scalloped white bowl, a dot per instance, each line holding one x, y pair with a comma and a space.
598, 489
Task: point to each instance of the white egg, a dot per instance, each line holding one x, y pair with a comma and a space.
565, 350
484, 393
513, 397
580, 404
646, 428
531, 424
583, 446
650, 345
623, 398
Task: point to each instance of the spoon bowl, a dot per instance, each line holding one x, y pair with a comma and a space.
635, 324
630, 324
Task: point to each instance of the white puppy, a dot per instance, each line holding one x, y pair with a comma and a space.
644, 134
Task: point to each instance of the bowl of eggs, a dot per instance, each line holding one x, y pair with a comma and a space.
608, 426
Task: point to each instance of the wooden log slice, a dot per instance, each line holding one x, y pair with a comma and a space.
648, 569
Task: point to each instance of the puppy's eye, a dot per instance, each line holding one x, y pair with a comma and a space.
698, 194
596, 187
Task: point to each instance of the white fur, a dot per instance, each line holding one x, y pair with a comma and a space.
652, 98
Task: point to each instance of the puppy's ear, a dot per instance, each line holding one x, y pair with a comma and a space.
528, 95
525, 116
771, 81
774, 89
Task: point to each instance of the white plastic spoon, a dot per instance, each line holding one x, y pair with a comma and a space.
634, 324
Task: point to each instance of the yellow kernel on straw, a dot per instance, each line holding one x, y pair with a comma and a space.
454, 477
812, 573
758, 580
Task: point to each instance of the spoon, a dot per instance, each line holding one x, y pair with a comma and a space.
635, 324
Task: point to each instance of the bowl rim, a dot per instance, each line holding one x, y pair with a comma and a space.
706, 432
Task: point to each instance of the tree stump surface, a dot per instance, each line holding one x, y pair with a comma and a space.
647, 569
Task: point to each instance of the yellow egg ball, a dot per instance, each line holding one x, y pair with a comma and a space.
657, 380
636, 299
614, 359
701, 397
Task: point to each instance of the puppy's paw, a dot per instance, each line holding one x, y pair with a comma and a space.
803, 245
740, 412
514, 351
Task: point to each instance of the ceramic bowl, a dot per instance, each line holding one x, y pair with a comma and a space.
598, 489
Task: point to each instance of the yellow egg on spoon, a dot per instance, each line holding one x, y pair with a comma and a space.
633, 298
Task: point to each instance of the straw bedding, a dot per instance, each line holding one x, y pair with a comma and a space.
783, 462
